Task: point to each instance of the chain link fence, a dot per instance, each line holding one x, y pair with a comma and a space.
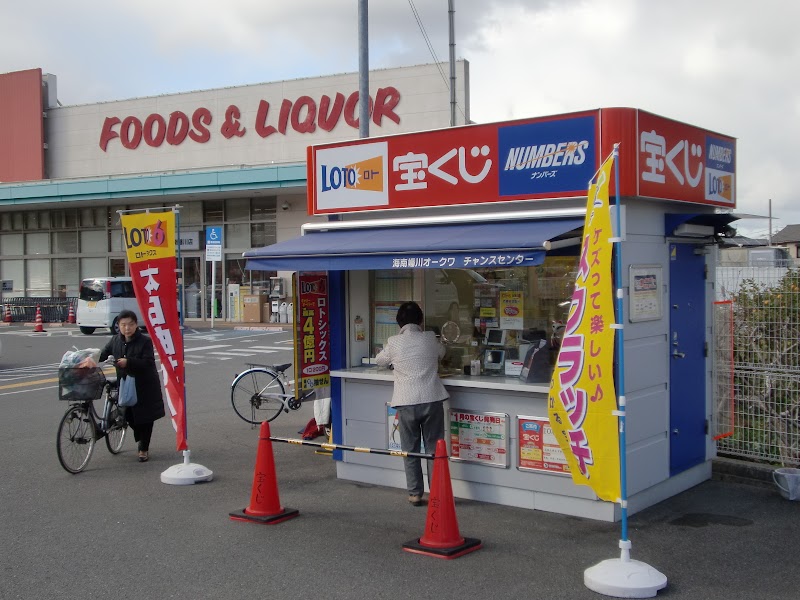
757, 363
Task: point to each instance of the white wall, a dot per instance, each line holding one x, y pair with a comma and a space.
74, 132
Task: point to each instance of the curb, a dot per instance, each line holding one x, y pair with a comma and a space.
740, 471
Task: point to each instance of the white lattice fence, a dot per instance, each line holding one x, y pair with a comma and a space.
757, 363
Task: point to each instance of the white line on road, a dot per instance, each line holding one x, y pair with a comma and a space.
199, 348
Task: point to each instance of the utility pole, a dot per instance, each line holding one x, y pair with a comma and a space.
451, 13
363, 69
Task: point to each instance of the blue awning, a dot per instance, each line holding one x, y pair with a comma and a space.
455, 246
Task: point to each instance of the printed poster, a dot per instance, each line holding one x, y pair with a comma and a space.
479, 437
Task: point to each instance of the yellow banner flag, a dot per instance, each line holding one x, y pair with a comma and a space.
582, 398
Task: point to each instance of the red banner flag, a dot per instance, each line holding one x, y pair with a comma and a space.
150, 244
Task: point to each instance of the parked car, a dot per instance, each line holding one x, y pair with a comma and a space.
100, 301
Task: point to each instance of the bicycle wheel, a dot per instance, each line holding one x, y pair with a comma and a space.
257, 395
76, 436
116, 427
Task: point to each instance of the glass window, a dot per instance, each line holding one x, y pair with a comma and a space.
12, 244
37, 243
118, 267
509, 309
237, 209
14, 271
237, 236
263, 208
87, 218
65, 242
234, 270
94, 240
44, 219
38, 277
113, 215
5, 221
31, 220
65, 277
213, 211
16, 221
192, 213
262, 234
116, 240
101, 216
93, 267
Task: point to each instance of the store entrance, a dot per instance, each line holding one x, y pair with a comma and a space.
200, 301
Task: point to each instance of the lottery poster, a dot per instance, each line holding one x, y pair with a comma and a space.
479, 437
538, 447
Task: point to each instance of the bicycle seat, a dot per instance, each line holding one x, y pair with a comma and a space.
282, 368
279, 368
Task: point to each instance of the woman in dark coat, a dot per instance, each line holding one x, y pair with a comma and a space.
134, 355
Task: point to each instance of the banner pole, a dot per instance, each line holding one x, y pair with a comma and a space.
620, 353
622, 577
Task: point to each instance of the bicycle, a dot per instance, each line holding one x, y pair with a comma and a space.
82, 426
258, 394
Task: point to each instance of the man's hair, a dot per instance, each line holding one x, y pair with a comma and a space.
128, 314
409, 312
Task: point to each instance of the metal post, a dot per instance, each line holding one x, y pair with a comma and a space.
363, 69
452, 17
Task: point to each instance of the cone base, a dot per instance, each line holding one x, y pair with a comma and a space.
469, 545
285, 515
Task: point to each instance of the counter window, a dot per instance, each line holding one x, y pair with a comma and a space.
494, 316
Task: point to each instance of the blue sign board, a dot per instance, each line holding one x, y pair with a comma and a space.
547, 157
214, 243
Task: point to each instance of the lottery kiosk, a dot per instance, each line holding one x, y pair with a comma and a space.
482, 226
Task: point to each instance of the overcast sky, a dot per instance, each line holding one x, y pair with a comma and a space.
730, 66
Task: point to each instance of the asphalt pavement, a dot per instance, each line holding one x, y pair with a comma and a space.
115, 531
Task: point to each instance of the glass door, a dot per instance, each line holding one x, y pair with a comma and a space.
192, 287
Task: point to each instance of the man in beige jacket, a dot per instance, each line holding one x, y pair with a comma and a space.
418, 392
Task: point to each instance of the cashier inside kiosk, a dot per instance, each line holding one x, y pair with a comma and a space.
489, 316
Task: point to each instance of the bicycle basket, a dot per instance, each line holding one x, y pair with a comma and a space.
80, 384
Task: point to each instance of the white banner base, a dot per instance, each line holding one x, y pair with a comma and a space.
186, 473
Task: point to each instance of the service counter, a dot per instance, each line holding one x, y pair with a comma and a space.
499, 475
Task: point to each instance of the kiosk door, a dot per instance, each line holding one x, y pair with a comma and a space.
687, 427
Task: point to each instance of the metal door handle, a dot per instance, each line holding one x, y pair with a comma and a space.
677, 354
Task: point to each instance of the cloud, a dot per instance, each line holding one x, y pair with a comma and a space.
726, 65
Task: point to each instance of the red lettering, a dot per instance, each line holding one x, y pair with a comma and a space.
328, 120
201, 118
130, 141
232, 127
307, 124
283, 119
262, 128
108, 133
178, 128
157, 138
350, 110
385, 102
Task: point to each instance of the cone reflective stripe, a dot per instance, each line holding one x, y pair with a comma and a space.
265, 505
442, 538
7, 318
38, 328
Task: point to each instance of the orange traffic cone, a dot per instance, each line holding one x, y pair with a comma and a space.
441, 538
7, 318
265, 506
71, 314
38, 328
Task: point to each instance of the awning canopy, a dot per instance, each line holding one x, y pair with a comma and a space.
453, 245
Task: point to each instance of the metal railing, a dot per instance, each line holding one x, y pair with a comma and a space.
757, 363
23, 308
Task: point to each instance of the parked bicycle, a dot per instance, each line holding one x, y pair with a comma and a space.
82, 426
258, 394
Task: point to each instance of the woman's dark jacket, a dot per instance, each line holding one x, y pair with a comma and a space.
142, 365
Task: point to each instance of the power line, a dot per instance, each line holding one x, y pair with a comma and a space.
433, 52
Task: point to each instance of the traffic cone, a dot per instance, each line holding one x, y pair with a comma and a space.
441, 538
38, 328
265, 506
7, 318
71, 314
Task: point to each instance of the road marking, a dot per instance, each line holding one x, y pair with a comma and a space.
231, 354
24, 383
198, 349
26, 391
270, 348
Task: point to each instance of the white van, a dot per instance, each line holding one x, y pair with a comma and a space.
101, 299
